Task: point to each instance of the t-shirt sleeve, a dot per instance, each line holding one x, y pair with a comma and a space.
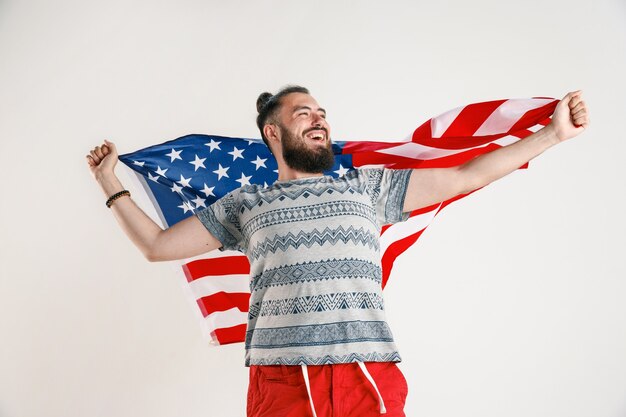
387, 189
222, 220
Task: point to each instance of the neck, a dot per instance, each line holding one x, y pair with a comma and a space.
286, 173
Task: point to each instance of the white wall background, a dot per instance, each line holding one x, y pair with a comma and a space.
511, 305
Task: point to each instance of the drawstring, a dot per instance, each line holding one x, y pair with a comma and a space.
383, 410
305, 373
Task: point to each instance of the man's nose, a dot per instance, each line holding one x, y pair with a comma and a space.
318, 121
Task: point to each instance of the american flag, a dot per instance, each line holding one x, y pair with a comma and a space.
188, 174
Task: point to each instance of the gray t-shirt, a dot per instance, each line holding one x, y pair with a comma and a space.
313, 247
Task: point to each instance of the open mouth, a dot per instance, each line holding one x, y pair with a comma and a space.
316, 135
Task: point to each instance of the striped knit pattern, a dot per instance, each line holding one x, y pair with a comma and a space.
313, 247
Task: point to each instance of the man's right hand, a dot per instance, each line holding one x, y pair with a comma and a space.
102, 159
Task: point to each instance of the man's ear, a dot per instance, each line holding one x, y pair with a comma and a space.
271, 133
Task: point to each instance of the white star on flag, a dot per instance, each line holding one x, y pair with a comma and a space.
140, 163
208, 190
198, 163
200, 202
174, 155
236, 153
259, 162
186, 206
160, 171
341, 171
184, 181
213, 145
244, 180
221, 172
177, 189
154, 178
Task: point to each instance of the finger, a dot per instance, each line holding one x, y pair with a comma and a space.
105, 150
574, 100
95, 157
90, 160
98, 151
579, 113
111, 146
581, 121
579, 106
571, 96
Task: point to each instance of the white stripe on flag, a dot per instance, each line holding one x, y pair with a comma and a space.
425, 153
441, 123
216, 253
224, 319
418, 151
209, 285
507, 114
404, 229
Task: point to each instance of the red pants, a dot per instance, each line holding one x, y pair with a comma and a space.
336, 390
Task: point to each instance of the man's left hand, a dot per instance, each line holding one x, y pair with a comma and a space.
570, 117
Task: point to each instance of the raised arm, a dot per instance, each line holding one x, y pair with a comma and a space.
430, 186
185, 239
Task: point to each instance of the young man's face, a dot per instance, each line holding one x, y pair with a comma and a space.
305, 134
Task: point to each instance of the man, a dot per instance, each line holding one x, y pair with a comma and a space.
317, 341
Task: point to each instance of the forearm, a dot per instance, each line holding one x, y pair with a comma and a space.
139, 228
489, 167
187, 238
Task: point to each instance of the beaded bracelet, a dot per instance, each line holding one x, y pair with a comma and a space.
115, 196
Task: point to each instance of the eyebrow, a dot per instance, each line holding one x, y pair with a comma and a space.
308, 108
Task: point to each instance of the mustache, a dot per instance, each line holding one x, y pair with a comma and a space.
315, 128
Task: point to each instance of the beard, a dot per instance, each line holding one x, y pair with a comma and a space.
299, 156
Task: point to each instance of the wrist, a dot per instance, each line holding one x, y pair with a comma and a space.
551, 134
109, 183
104, 177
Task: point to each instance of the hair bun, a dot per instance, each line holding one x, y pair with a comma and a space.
262, 100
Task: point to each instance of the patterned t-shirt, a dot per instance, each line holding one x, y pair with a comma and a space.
313, 247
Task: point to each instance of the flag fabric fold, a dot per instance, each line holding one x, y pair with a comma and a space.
185, 175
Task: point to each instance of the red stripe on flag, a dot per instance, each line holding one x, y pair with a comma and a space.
225, 265
223, 301
358, 147
446, 161
534, 116
545, 122
393, 251
376, 158
522, 134
471, 118
399, 162
459, 142
227, 335
424, 132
